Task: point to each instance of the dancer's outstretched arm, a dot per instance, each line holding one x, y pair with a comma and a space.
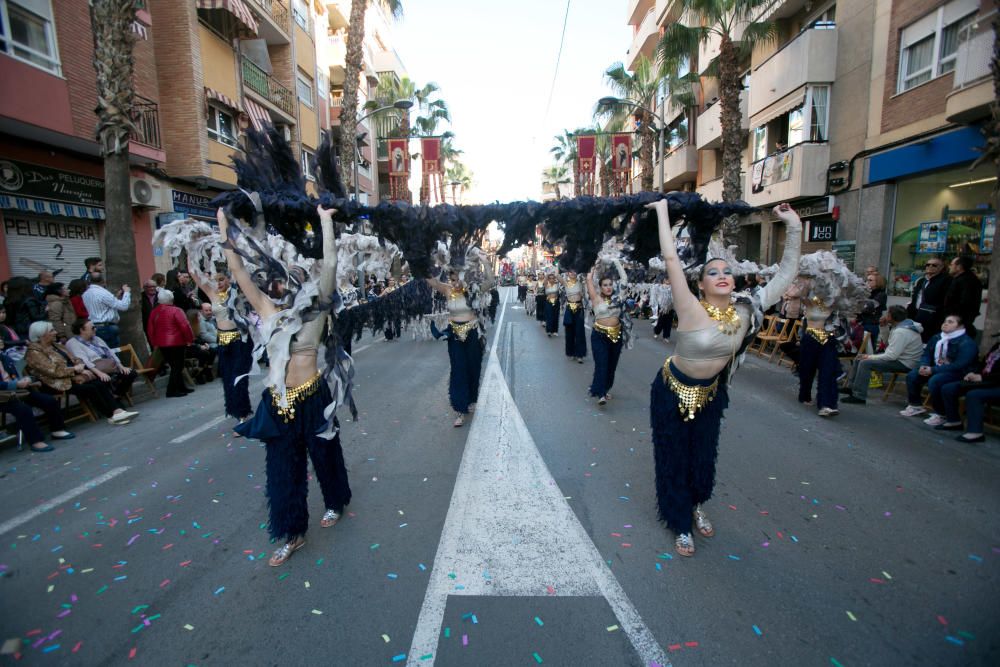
685, 303
771, 293
260, 302
591, 288
328, 272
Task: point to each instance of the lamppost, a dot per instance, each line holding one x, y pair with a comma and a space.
402, 105
611, 101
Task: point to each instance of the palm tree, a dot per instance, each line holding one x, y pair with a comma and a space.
734, 24
460, 178
426, 100
111, 21
555, 176
353, 63
637, 92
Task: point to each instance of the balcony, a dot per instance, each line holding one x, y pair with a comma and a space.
336, 52
272, 93
708, 129
809, 58
338, 14
274, 20
973, 86
637, 9
667, 11
712, 190
681, 167
146, 116
797, 172
644, 42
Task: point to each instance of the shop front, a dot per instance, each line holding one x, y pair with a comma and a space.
942, 207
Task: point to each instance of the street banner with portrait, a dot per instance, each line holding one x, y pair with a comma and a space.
621, 152
399, 157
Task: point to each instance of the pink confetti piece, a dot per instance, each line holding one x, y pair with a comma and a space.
64, 613
465, 640
626, 545
164, 583
134, 538
732, 507
942, 620
32, 633
765, 544
131, 653
674, 647
185, 563
550, 590
77, 647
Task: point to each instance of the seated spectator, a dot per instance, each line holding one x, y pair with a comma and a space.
979, 388
59, 371
200, 351
76, 289
99, 359
170, 333
31, 309
13, 342
901, 355
18, 396
60, 310
207, 331
947, 358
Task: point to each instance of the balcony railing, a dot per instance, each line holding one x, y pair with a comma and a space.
972, 61
798, 171
146, 117
275, 9
809, 58
264, 85
644, 39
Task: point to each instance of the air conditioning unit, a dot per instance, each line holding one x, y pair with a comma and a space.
146, 193
286, 131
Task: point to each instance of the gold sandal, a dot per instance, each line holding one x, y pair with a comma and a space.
330, 518
702, 523
279, 557
684, 544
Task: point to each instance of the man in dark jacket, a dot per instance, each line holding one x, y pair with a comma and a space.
965, 294
927, 300
149, 300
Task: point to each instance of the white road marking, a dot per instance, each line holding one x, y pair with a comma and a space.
8, 526
504, 489
201, 429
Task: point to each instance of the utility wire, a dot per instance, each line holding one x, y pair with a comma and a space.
555, 74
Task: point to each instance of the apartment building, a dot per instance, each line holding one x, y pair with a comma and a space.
862, 113
204, 71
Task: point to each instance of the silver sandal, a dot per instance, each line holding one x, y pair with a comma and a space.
285, 552
684, 544
330, 518
702, 523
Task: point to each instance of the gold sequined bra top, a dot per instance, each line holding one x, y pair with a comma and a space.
604, 310
573, 288
457, 304
708, 343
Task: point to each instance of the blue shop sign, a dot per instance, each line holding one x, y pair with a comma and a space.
944, 150
195, 205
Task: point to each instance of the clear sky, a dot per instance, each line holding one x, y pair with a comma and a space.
494, 61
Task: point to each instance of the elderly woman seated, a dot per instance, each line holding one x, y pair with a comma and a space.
58, 371
99, 359
18, 396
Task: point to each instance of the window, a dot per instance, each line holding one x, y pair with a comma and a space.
221, 126
308, 160
304, 87
928, 47
760, 143
677, 134
300, 12
818, 104
27, 33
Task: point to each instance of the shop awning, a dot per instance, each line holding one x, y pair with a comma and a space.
140, 30
46, 207
792, 100
234, 7
213, 95
259, 116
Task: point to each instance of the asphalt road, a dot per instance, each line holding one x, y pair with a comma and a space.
527, 537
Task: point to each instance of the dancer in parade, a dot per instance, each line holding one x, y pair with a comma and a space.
465, 347
611, 330
689, 393
662, 299
522, 287
529, 301
573, 317
540, 298
551, 305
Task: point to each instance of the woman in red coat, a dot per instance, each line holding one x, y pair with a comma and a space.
170, 332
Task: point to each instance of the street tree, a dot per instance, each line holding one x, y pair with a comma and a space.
991, 153
735, 24
636, 93
460, 179
111, 21
555, 176
353, 64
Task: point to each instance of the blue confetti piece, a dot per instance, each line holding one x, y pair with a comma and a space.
423, 568
539, 621
392, 575
49, 649
622, 497
475, 621
399, 658
955, 640
794, 539
757, 630
659, 567
978, 559
219, 590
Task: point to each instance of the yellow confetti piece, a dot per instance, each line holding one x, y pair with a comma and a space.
612, 628
89, 569
188, 626
307, 584
852, 616
317, 612
886, 574
385, 638
51, 588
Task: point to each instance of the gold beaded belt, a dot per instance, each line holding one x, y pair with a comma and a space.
573, 305
462, 329
227, 337
820, 335
553, 299
690, 398
614, 333
294, 395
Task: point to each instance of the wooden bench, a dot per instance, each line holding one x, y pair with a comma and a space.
766, 329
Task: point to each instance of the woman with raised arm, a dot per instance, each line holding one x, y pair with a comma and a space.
573, 317
465, 349
551, 305
235, 349
689, 393
294, 415
609, 335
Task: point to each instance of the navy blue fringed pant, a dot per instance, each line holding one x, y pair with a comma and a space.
606, 355
684, 452
818, 361
466, 363
551, 317
235, 360
576, 334
540, 307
